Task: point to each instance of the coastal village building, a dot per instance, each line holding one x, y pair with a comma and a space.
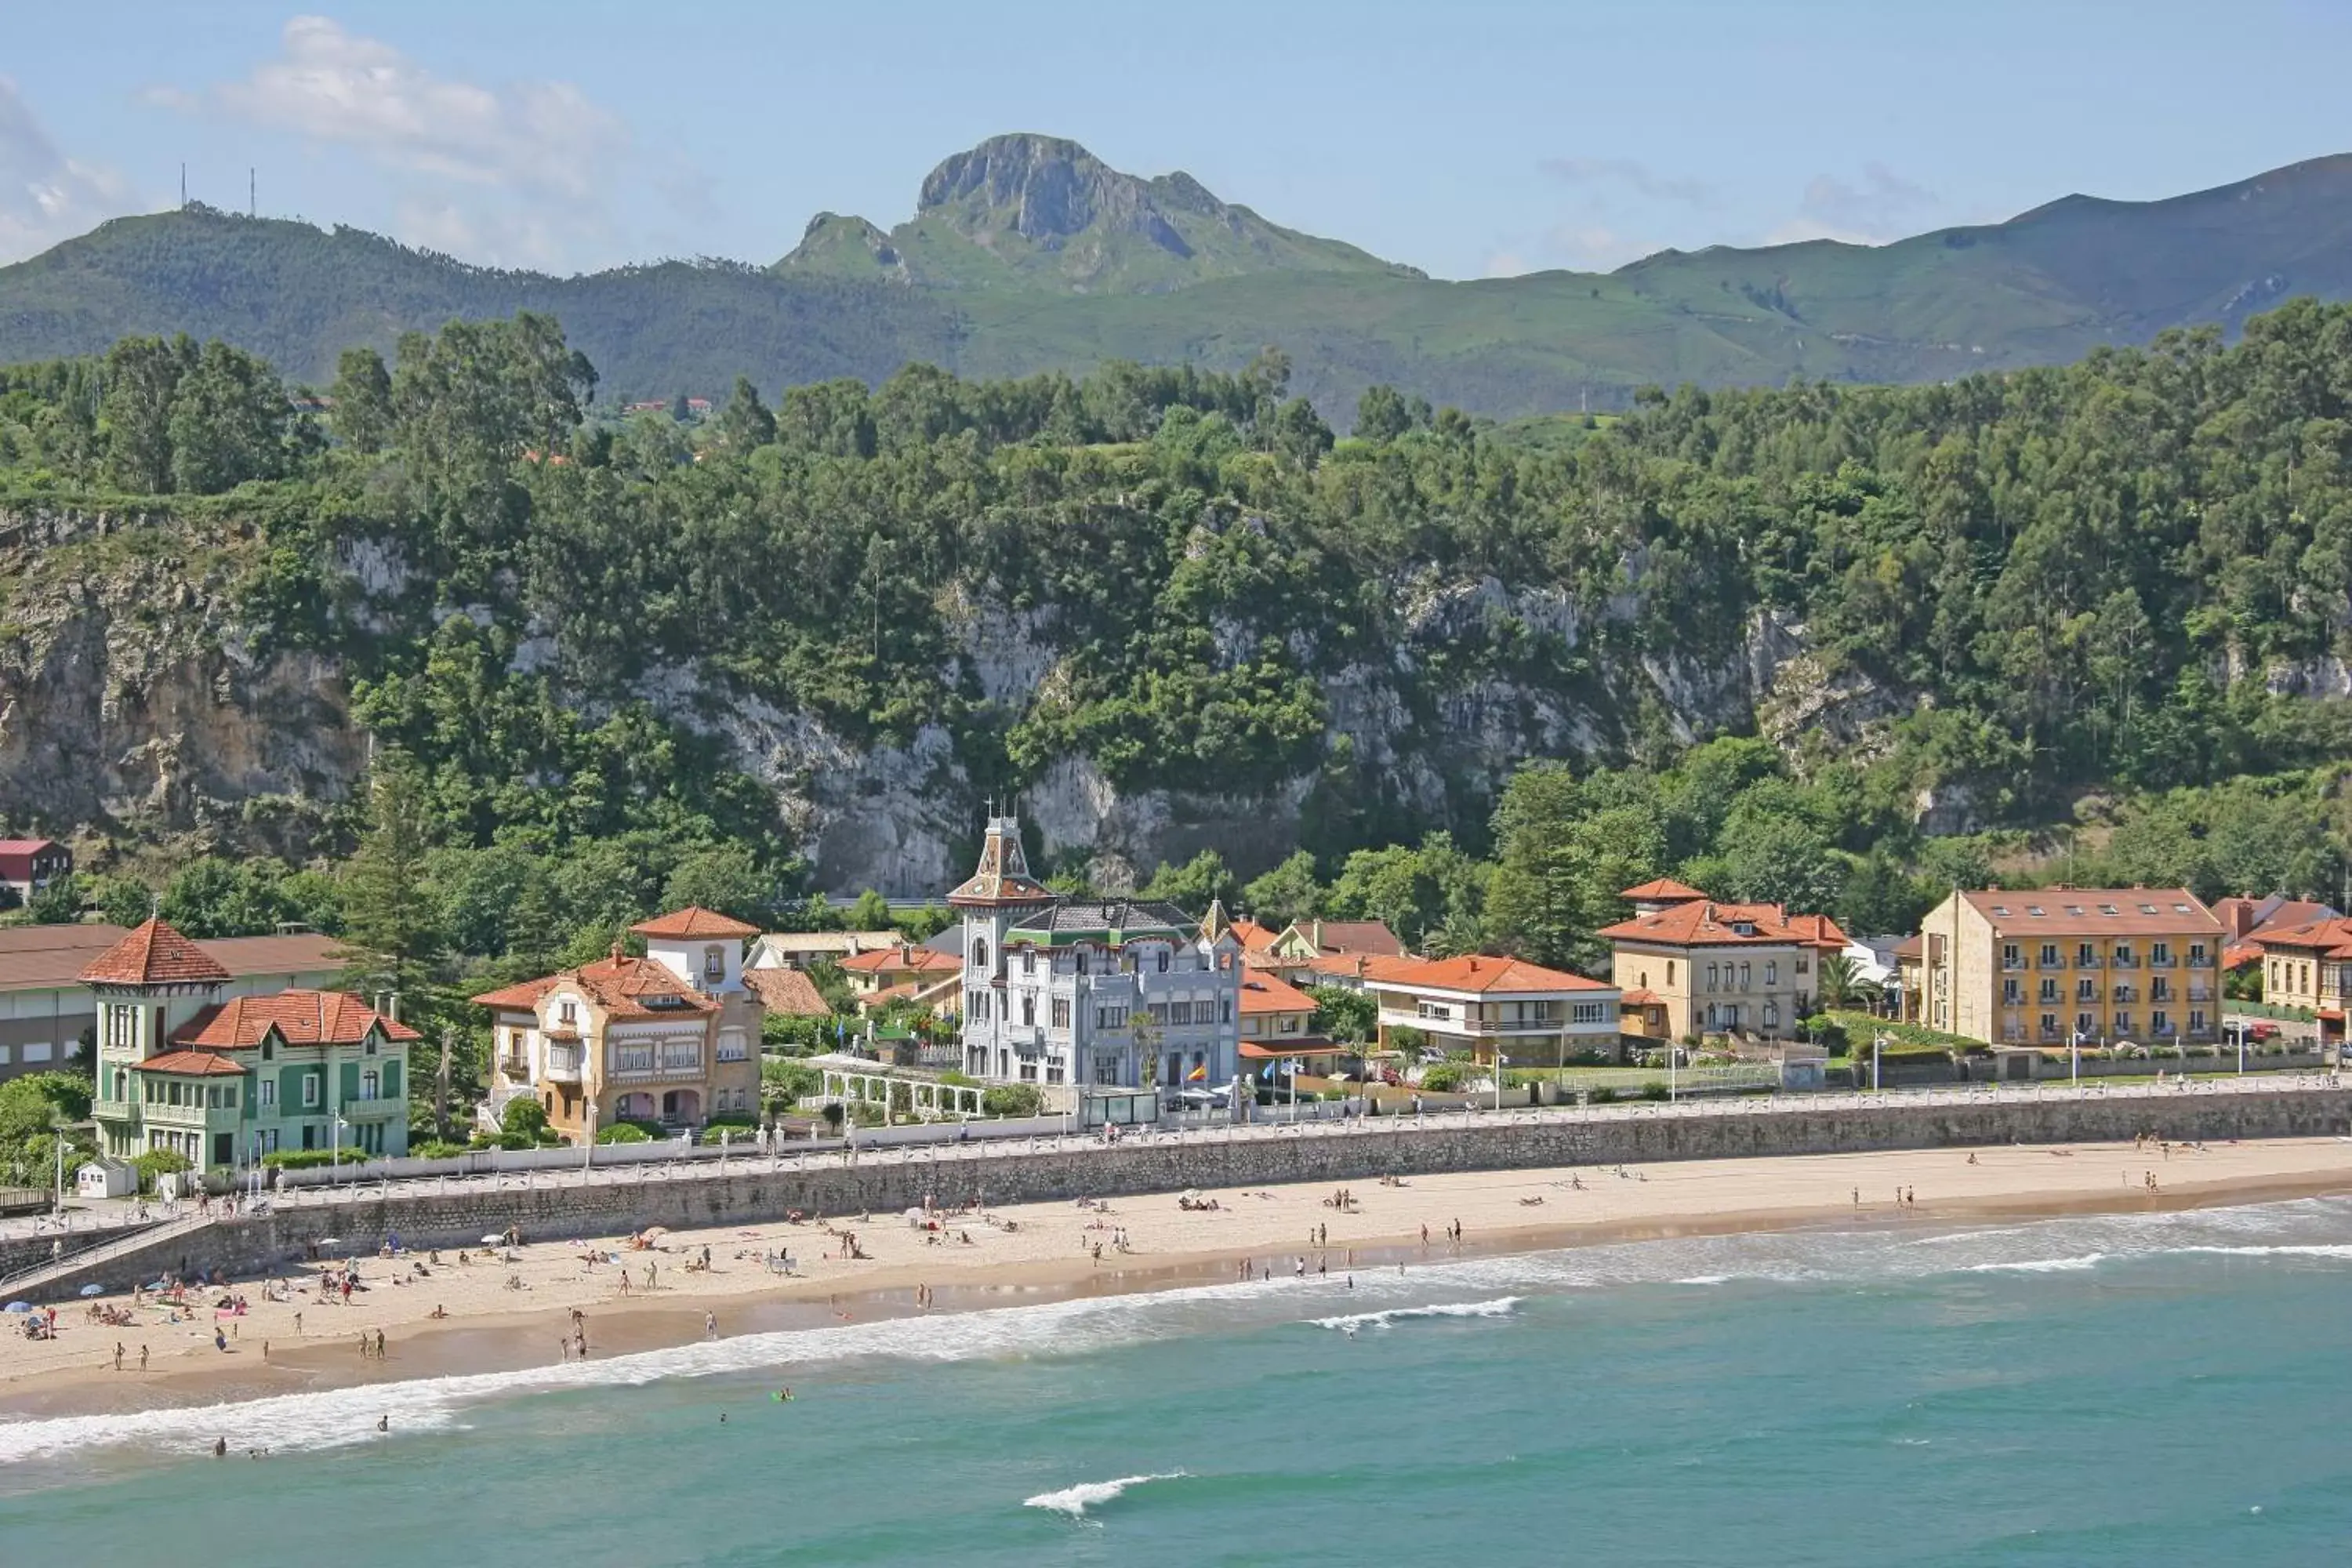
2054, 966
29, 864
672, 1038
1279, 1023
2310, 966
909, 972
228, 1082
2246, 922
1498, 1009
47, 1012
1692, 965
1118, 994
805, 950
1294, 952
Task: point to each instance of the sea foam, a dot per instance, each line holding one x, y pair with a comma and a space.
1351, 1322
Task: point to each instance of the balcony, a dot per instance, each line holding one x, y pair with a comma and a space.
2086, 961
2126, 960
2012, 966
515, 1069
563, 1063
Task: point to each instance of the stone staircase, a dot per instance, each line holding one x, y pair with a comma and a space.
122, 1258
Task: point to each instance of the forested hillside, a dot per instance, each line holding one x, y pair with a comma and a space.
1835, 645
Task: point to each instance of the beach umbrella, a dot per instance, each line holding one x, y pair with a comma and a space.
492, 1240
18, 1306
330, 1241
93, 1289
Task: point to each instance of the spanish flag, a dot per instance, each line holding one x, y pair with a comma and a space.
1198, 1075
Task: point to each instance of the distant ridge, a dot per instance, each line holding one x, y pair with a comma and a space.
1028, 253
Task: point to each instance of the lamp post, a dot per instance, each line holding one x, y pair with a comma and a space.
1877, 1042
335, 1129
588, 1144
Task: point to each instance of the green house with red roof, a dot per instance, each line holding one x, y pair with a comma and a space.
225, 1083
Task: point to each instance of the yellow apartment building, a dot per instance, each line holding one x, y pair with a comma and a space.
2052, 965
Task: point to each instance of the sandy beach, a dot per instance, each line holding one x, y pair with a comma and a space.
499, 1313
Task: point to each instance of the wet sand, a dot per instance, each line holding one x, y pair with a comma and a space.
1047, 1253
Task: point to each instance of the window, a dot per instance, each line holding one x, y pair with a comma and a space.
2161, 1022
2160, 989
1711, 978
714, 963
39, 1050
122, 1028
2159, 954
368, 1047
1584, 1013
1772, 1014
2086, 991
979, 953
681, 1056
1079, 958
311, 1089
1029, 1009
2049, 990
1061, 1012
2195, 952
370, 1085
1225, 1015
2008, 991
2049, 955
2010, 957
1772, 971
2086, 1024
264, 1093
1670, 972
2196, 1021
2049, 1023
2085, 955
2123, 1023
1745, 983
633, 1056
1162, 955
567, 1012
731, 1048
1028, 960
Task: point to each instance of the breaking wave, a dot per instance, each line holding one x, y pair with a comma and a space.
1075, 1500
1351, 1322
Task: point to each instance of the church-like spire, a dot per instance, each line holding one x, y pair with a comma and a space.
1001, 878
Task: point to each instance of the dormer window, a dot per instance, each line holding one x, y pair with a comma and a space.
567, 1012
369, 1047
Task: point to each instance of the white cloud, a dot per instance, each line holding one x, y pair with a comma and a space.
1881, 206
45, 195
1634, 175
519, 173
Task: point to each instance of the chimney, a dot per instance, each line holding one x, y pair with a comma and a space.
906, 954
1318, 934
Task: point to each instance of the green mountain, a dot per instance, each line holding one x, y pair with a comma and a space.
1027, 212
1028, 254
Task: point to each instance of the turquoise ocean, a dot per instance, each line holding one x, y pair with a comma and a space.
2142, 1389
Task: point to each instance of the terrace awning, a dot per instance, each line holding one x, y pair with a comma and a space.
1304, 1045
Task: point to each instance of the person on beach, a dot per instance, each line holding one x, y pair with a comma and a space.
142, 1358
220, 1341
709, 1325
118, 1355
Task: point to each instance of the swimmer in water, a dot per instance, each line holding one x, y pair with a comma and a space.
220, 1447
383, 1423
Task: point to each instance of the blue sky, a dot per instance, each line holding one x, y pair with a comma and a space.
1471, 138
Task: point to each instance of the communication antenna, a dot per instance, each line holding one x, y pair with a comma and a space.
252, 192
184, 186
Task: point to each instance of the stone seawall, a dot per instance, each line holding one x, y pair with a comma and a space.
750, 1192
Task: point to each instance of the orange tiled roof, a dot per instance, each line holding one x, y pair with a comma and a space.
1356, 966
1641, 996
2331, 938
919, 960
1268, 993
1253, 937
786, 991
1482, 973
300, 1018
154, 955
694, 920
625, 987
1707, 922
1660, 889
2096, 911
190, 1064
1371, 937
522, 996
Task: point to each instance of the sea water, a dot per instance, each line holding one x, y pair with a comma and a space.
2136, 1389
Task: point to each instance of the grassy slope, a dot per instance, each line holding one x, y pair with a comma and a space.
2041, 289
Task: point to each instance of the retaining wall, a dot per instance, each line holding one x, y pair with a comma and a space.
750, 1192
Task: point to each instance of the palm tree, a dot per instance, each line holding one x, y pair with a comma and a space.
1837, 980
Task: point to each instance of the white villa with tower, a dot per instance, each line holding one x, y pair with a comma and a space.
1118, 992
